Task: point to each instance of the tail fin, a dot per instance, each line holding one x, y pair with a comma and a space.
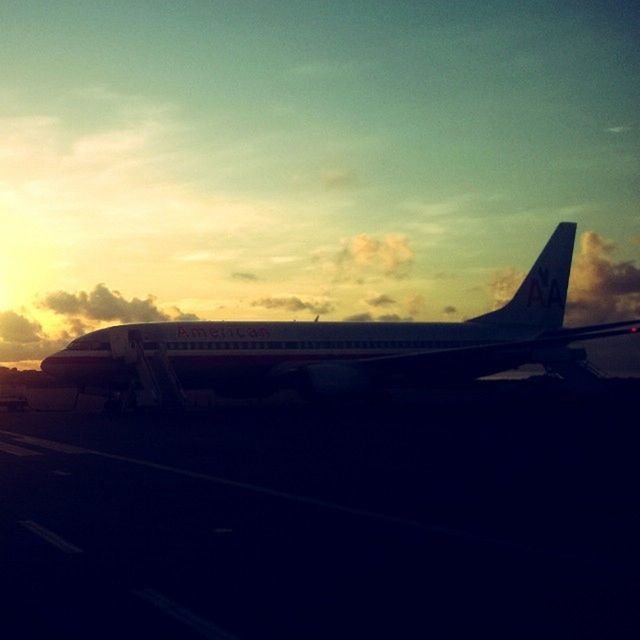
541, 298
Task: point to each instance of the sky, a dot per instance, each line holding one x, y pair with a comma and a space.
282, 160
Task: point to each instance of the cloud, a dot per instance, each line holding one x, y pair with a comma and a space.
21, 351
503, 285
244, 277
180, 316
121, 181
77, 327
382, 300
394, 317
333, 180
359, 317
390, 256
367, 317
22, 339
103, 304
101, 147
415, 305
17, 328
602, 289
293, 303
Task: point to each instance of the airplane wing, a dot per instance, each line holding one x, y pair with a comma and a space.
591, 329
475, 361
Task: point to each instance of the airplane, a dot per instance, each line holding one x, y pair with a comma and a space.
151, 364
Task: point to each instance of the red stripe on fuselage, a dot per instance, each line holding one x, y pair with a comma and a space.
283, 356
67, 360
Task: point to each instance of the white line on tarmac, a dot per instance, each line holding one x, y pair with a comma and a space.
17, 451
460, 534
50, 537
60, 447
283, 495
203, 627
324, 504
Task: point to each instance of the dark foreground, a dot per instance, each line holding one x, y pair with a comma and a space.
499, 511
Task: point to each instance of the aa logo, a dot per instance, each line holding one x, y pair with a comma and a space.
544, 292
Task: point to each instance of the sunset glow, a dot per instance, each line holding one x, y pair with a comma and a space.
279, 161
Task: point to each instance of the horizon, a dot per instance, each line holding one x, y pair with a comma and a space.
355, 161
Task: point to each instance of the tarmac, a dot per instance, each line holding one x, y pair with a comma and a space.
496, 510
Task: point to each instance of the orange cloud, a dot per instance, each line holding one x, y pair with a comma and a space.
363, 254
601, 289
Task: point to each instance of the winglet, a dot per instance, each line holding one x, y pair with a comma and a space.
541, 298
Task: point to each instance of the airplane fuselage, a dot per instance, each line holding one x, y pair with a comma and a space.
242, 357
154, 362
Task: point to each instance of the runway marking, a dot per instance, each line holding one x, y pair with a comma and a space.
283, 495
171, 608
59, 447
459, 534
17, 451
50, 537
316, 502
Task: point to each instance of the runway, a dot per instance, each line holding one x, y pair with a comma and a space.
515, 516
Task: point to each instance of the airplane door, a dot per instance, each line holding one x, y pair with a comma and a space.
122, 344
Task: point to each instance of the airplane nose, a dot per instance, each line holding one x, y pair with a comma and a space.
46, 365
51, 365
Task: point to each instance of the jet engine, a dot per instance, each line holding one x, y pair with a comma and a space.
331, 379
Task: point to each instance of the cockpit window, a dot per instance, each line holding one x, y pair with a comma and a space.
88, 345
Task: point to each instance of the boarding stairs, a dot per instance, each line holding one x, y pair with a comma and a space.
166, 381
155, 383
575, 369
